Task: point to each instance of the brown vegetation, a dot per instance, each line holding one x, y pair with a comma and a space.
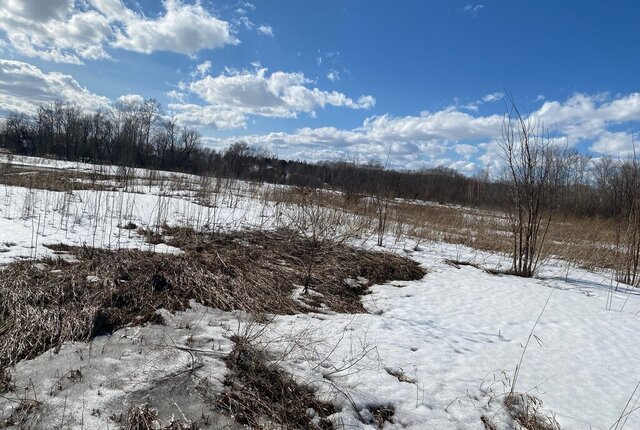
527, 411
46, 303
261, 395
52, 180
145, 418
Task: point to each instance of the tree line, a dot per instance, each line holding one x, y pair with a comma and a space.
139, 134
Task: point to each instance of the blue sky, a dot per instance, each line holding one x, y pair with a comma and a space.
419, 82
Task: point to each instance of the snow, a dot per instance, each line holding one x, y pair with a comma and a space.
441, 350
456, 331
33, 218
84, 385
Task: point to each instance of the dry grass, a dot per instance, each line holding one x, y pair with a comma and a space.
52, 179
383, 414
589, 242
527, 411
44, 304
260, 395
145, 418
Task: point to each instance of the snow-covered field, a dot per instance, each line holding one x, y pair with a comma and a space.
442, 350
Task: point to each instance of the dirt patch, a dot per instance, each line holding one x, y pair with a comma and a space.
49, 302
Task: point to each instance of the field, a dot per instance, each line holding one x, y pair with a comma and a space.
140, 299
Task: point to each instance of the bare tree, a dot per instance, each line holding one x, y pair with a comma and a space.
319, 224
531, 174
628, 225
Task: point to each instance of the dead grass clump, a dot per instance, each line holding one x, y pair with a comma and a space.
383, 414
261, 395
140, 418
145, 418
527, 411
151, 236
53, 180
47, 303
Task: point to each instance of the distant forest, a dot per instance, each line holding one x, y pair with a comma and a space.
140, 135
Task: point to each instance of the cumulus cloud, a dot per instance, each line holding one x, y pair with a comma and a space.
465, 149
584, 116
184, 28
211, 116
236, 94
70, 32
459, 139
411, 142
24, 86
620, 144
129, 99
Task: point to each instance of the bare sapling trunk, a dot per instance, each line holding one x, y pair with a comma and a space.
531, 170
382, 208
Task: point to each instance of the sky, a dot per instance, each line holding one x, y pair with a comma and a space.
412, 84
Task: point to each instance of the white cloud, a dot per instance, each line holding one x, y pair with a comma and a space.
210, 116
43, 10
447, 124
184, 28
465, 149
265, 30
459, 139
493, 97
279, 95
24, 86
333, 75
176, 95
411, 142
130, 99
202, 69
585, 116
245, 22
70, 32
473, 9
245, 7
617, 144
